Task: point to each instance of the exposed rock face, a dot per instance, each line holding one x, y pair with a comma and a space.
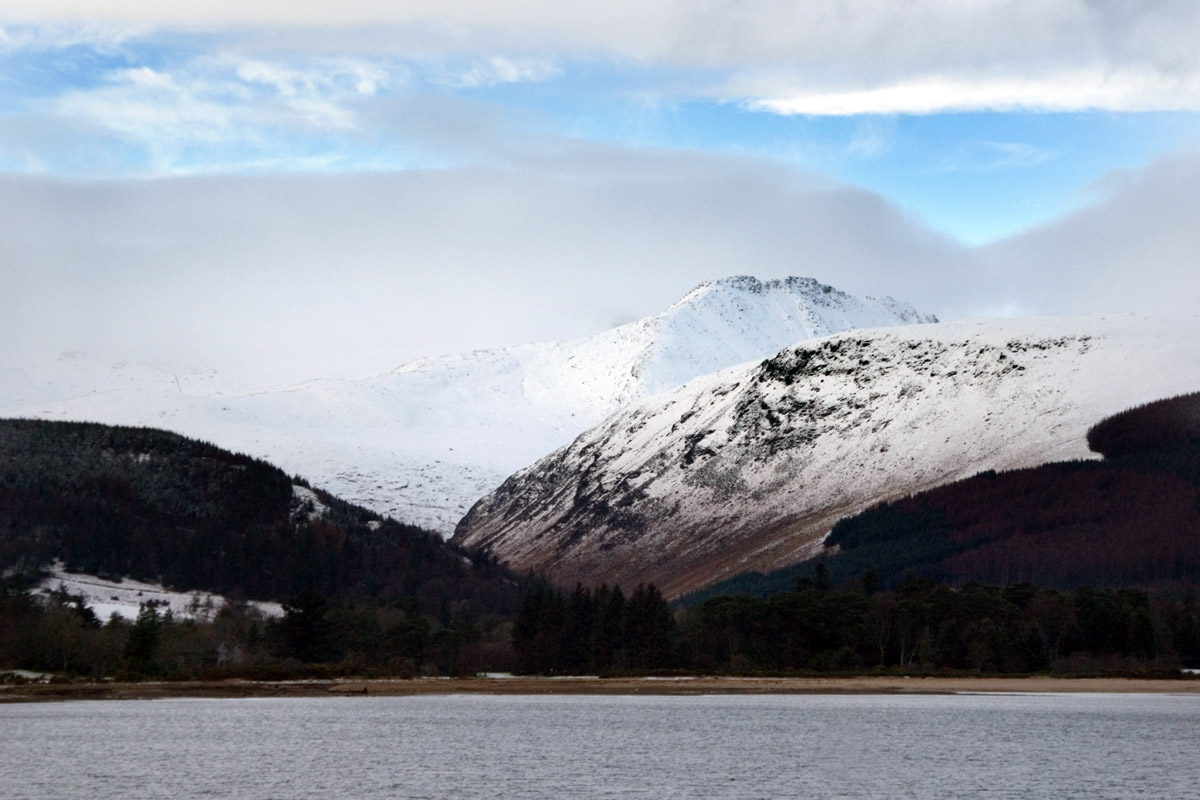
750, 467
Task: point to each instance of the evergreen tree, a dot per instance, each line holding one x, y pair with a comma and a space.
576, 640
305, 631
648, 629
141, 648
609, 607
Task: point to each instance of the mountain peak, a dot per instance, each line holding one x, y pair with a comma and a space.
805, 291
742, 318
748, 284
426, 440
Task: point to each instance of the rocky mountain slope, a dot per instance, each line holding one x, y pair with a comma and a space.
749, 468
423, 442
1129, 519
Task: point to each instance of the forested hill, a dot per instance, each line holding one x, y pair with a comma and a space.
152, 505
1132, 519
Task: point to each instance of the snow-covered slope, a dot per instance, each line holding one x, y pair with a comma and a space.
125, 597
423, 442
749, 468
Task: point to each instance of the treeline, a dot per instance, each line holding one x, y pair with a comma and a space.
924, 625
921, 626
317, 637
1162, 425
151, 505
593, 631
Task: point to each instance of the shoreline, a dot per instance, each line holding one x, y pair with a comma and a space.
699, 685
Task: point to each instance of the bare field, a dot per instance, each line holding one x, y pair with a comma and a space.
589, 686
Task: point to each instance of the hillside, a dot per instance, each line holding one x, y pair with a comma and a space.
749, 468
1130, 520
150, 505
426, 440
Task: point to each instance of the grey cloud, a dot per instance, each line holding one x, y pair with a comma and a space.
1158, 32
1134, 248
356, 273
832, 37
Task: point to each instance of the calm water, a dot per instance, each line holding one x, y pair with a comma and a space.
976, 746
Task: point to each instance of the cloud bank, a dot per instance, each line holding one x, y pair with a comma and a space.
1136, 247
353, 274
285, 278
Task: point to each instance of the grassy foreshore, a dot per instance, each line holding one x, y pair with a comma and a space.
587, 686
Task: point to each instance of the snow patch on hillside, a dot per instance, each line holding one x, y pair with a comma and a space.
125, 597
306, 505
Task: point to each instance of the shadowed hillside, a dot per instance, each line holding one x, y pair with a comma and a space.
151, 505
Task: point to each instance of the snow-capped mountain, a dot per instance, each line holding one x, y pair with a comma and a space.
748, 468
423, 442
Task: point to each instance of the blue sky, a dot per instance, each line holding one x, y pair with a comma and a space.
593, 147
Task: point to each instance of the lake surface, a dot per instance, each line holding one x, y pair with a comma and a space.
471, 746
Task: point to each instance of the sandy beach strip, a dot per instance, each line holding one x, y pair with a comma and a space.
592, 686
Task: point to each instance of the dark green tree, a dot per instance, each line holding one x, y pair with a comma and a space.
648, 629
305, 631
141, 648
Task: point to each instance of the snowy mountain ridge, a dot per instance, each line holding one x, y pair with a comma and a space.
748, 468
423, 442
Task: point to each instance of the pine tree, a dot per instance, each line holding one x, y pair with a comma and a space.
141, 648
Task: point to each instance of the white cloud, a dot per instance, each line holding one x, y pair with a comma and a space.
154, 107
1083, 90
323, 76
872, 138
212, 104
144, 77
105, 36
986, 156
237, 108
499, 70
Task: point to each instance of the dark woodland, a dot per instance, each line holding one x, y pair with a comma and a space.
150, 505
